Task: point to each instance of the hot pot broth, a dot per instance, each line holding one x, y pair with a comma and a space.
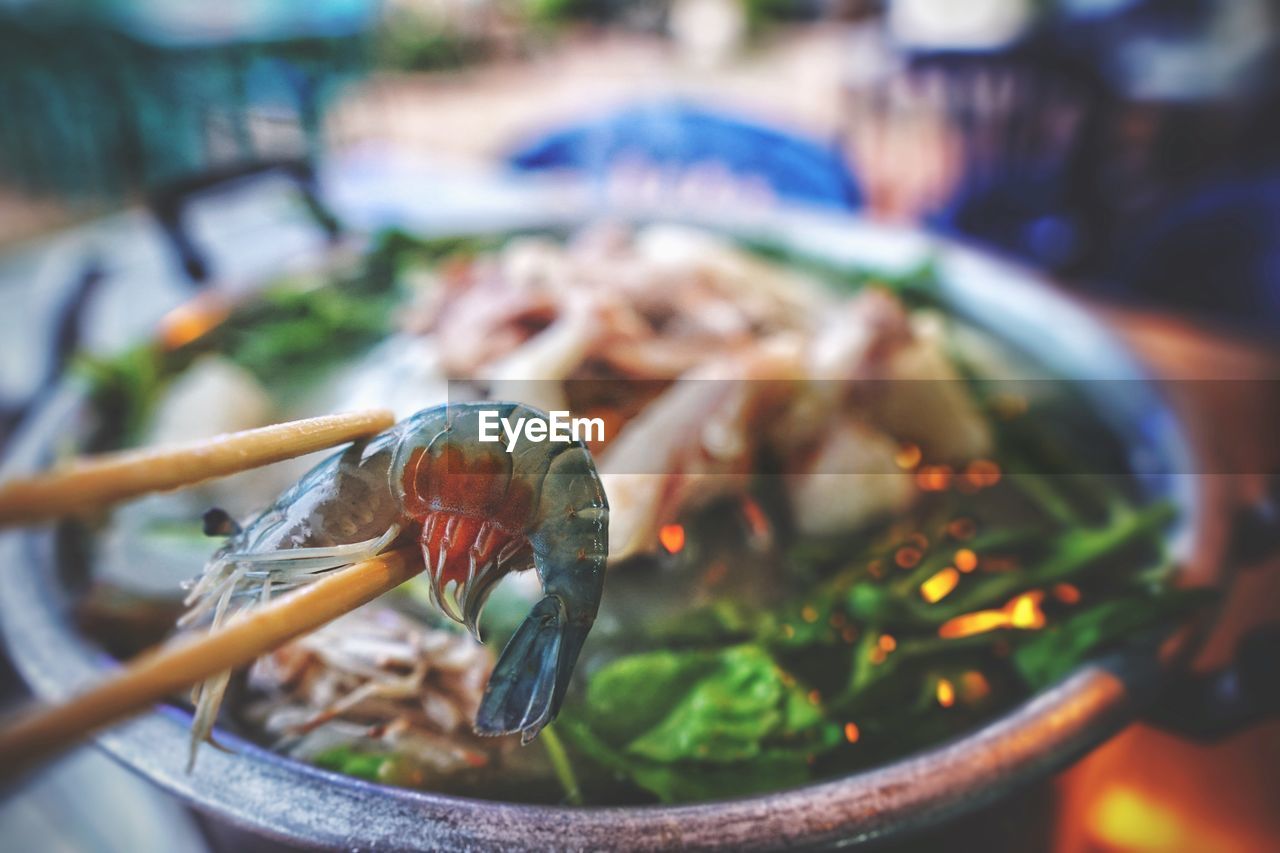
758, 629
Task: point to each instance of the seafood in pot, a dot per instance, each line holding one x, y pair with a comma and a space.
384, 682
477, 512
835, 536
746, 358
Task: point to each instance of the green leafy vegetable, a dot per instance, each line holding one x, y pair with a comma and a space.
385, 767
917, 287
288, 335
716, 719
701, 724
691, 782
1051, 654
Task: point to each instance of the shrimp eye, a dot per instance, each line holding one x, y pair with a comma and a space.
218, 522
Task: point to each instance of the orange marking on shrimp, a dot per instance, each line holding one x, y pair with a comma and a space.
478, 487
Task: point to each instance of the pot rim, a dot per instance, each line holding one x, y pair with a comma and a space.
323, 808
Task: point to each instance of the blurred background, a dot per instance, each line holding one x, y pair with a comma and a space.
1128, 149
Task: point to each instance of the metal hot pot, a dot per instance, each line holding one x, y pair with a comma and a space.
287, 800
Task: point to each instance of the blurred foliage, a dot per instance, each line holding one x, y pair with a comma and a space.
416, 36
106, 112
289, 334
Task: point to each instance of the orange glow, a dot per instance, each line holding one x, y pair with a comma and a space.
974, 686
972, 623
946, 693
907, 557
808, 613
1148, 790
814, 697
907, 457
1066, 593
1022, 612
982, 473
1124, 819
933, 478
191, 320
672, 537
886, 643
851, 732
966, 561
756, 519
940, 585
961, 529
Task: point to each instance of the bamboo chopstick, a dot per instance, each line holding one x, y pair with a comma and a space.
154, 675
95, 481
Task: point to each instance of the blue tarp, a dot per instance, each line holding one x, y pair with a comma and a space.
678, 135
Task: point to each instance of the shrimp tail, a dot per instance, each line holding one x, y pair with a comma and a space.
528, 684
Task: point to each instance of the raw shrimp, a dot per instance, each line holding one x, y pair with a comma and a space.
477, 511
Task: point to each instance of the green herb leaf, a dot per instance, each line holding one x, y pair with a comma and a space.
1052, 653
702, 724
725, 716
635, 692
344, 759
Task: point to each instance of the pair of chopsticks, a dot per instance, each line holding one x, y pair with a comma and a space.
42, 733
